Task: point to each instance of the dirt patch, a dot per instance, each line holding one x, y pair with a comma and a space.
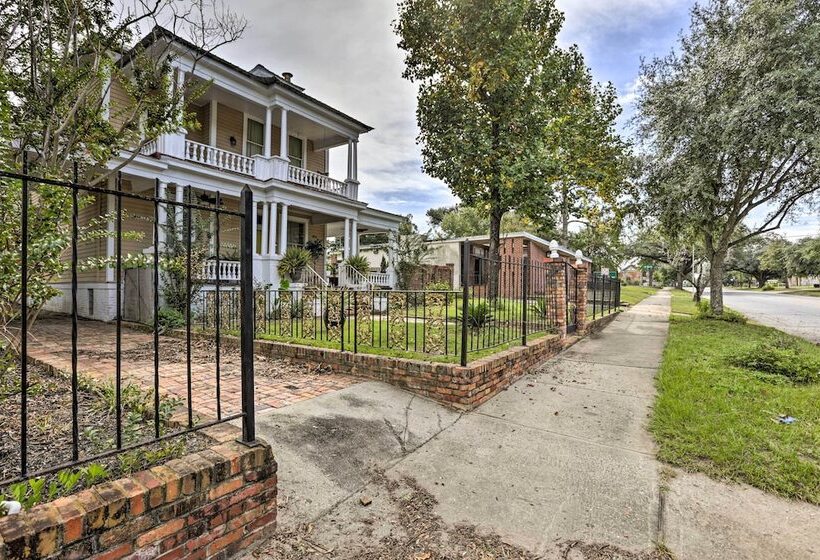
577, 550
415, 533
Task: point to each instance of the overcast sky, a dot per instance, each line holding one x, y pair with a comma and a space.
344, 53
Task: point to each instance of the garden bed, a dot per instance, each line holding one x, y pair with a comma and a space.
49, 433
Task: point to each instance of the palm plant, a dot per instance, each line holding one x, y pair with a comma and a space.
358, 263
294, 262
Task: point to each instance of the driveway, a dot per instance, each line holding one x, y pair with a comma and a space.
794, 314
558, 466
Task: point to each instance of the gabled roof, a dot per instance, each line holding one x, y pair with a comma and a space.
259, 73
543, 243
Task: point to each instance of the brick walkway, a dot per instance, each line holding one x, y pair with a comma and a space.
279, 383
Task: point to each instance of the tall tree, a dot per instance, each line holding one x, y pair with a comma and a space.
57, 63
493, 85
747, 257
732, 120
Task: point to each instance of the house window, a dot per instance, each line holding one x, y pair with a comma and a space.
295, 151
255, 138
296, 234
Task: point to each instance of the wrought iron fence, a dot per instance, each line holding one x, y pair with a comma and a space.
454, 323
21, 306
603, 295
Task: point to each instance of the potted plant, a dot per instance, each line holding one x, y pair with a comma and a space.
359, 263
293, 263
316, 248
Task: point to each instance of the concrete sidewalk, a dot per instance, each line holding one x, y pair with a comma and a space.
561, 457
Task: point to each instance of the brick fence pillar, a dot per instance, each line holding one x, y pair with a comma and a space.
583, 268
559, 272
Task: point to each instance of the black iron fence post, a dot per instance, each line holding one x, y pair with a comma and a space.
248, 313
465, 283
525, 284
342, 319
24, 318
355, 322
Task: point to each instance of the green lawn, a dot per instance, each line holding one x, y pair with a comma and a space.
635, 294
812, 292
716, 418
488, 340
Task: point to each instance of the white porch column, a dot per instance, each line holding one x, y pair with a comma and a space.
178, 210
255, 223
283, 134
350, 159
283, 231
212, 123
265, 233
268, 127
106, 94
391, 257
274, 210
355, 175
346, 252
162, 215
110, 249
354, 238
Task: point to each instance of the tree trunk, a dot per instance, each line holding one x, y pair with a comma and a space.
761, 281
679, 280
564, 215
786, 281
494, 252
717, 272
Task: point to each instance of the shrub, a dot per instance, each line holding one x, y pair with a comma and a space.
479, 316
293, 263
170, 319
780, 356
705, 312
439, 286
767, 288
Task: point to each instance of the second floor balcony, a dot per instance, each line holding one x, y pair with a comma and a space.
272, 142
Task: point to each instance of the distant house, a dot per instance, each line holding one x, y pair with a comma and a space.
630, 271
443, 264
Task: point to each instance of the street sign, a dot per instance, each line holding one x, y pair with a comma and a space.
613, 274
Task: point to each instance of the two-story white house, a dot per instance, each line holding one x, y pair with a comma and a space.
256, 128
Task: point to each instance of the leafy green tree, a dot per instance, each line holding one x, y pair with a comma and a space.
779, 258
747, 258
409, 252
57, 63
465, 221
493, 87
732, 122
807, 256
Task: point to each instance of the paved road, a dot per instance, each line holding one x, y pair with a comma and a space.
797, 315
562, 456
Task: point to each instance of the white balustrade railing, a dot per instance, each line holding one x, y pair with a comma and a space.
312, 279
223, 159
316, 180
379, 278
229, 271
349, 277
149, 148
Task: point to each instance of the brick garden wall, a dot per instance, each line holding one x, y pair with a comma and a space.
206, 505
